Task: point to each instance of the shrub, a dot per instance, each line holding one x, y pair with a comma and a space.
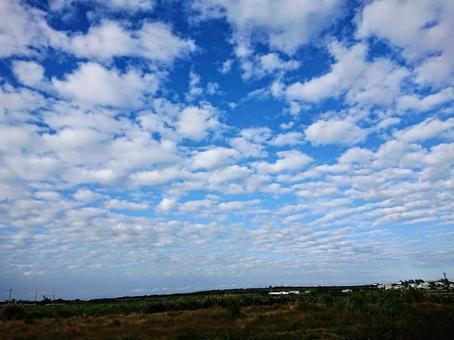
413, 296
13, 312
234, 310
357, 303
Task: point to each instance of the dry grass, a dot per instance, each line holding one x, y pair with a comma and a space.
271, 322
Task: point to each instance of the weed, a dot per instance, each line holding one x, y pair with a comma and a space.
13, 312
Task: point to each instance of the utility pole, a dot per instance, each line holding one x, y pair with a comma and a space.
10, 292
36, 296
446, 281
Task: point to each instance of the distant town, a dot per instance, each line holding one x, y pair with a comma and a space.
441, 284
418, 284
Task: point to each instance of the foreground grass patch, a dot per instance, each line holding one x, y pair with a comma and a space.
326, 315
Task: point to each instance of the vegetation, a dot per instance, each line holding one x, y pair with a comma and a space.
322, 313
13, 312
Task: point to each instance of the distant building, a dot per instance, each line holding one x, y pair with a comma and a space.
423, 285
278, 293
284, 292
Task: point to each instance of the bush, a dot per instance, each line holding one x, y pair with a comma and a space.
234, 310
357, 303
306, 303
413, 296
13, 312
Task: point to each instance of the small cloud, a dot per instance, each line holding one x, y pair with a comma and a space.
167, 204
335, 131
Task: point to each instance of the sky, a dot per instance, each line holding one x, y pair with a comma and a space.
162, 146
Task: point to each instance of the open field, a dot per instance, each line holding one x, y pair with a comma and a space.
326, 314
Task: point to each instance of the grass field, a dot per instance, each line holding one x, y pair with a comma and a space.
321, 314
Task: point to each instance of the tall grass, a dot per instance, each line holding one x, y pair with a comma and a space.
322, 314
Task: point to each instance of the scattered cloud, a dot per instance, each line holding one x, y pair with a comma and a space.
28, 72
427, 129
93, 84
214, 158
288, 161
196, 122
153, 41
414, 102
335, 131
284, 26
292, 136
423, 29
361, 81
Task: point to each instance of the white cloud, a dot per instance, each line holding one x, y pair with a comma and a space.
17, 103
422, 28
196, 205
214, 158
226, 66
437, 70
167, 204
439, 162
14, 37
125, 205
395, 152
129, 5
92, 84
288, 161
251, 142
155, 177
414, 102
194, 89
28, 72
368, 83
104, 41
81, 148
22, 28
284, 25
356, 155
335, 131
288, 138
68, 166
260, 66
427, 129
229, 173
104, 176
196, 122
87, 195
153, 41
48, 196
15, 138
387, 122
271, 62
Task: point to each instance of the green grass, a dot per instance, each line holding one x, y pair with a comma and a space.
149, 305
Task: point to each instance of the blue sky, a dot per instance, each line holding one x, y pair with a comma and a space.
154, 146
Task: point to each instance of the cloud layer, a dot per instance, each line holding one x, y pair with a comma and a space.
229, 144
